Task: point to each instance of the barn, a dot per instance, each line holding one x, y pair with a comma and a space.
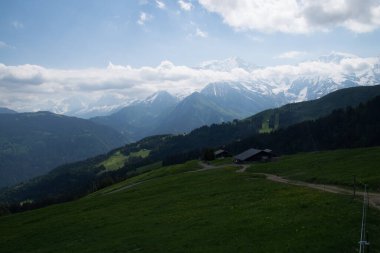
253, 154
221, 153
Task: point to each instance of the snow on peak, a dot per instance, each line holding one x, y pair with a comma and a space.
160, 97
156, 96
336, 57
227, 64
221, 88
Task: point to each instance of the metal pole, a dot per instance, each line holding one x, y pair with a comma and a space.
363, 242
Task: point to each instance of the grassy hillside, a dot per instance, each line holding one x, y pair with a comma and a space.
118, 159
168, 210
330, 167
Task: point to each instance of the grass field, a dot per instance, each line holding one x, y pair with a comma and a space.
210, 211
117, 160
331, 167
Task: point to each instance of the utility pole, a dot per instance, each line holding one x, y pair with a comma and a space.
363, 241
354, 186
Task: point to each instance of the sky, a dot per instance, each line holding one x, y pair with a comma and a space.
63, 50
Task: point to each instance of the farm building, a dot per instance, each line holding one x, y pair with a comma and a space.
221, 153
252, 154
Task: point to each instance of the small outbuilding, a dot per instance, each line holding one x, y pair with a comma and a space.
221, 153
253, 154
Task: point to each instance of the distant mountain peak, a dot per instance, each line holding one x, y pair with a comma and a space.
159, 97
6, 110
227, 64
221, 89
336, 57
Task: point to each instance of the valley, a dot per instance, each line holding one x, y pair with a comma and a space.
190, 126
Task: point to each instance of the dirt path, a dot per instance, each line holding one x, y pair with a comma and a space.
374, 198
206, 166
327, 188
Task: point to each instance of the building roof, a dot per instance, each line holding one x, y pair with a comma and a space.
220, 151
247, 154
250, 152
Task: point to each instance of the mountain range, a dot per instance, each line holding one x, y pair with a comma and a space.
6, 110
304, 126
224, 101
302, 81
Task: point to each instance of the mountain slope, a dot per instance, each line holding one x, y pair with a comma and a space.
6, 110
343, 128
194, 111
238, 99
140, 119
297, 112
31, 144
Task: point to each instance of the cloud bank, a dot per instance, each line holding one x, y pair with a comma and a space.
297, 16
32, 87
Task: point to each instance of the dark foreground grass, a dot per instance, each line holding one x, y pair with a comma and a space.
331, 167
209, 211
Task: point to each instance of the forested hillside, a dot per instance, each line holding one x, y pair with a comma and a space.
32, 144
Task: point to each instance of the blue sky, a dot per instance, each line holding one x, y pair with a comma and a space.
75, 55
91, 33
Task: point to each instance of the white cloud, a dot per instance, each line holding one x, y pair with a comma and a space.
160, 4
185, 5
32, 87
297, 16
144, 17
291, 55
201, 33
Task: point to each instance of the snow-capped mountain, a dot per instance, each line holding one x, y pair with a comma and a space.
314, 79
336, 57
281, 84
227, 65
238, 99
227, 100
140, 118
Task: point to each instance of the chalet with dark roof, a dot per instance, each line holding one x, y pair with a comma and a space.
252, 155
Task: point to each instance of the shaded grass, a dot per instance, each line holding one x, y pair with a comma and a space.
221, 161
149, 167
152, 174
331, 167
211, 211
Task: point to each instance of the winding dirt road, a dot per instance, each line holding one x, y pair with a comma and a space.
374, 198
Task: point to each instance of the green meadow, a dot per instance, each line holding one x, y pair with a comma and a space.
177, 209
117, 160
338, 167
